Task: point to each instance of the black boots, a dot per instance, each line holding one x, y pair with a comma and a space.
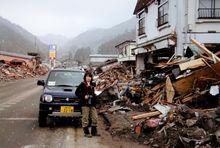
86, 132
94, 131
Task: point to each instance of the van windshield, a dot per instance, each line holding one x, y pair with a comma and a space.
64, 78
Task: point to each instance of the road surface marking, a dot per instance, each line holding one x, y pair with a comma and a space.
35, 146
11, 103
18, 119
4, 105
21, 97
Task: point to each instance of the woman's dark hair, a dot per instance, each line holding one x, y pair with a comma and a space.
88, 74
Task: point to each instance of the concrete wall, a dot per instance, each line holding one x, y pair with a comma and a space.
200, 28
151, 25
140, 63
127, 53
183, 20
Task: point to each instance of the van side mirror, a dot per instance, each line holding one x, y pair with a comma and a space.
40, 83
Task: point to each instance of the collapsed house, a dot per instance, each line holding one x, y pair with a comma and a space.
19, 59
16, 66
176, 103
172, 100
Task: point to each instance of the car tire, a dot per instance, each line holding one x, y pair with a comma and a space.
42, 121
78, 123
51, 121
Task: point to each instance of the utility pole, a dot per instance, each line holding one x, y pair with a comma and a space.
35, 44
1, 45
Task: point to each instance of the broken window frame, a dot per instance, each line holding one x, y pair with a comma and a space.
141, 23
163, 8
209, 11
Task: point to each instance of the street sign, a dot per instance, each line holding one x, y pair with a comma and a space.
52, 51
52, 47
52, 55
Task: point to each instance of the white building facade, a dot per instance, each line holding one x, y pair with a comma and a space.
101, 58
126, 51
166, 26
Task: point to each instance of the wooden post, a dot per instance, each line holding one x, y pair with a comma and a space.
204, 49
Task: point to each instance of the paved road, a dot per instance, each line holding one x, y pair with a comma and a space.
19, 127
18, 121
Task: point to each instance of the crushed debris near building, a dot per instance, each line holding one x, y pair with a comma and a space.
8, 72
172, 104
16, 66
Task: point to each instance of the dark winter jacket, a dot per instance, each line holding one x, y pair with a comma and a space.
83, 90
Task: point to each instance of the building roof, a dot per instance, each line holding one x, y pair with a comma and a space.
17, 55
141, 4
125, 42
103, 56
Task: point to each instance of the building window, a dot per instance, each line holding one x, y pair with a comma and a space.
209, 9
162, 12
125, 51
141, 23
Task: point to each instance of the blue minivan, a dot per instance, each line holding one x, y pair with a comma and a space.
58, 98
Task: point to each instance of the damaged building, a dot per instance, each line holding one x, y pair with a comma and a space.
173, 99
165, 27
126, 54
19, 59
18, 66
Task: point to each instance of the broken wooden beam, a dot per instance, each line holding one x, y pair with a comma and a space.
184, 85
146, 115
211, 68
205, 50
170, 92
190, 98
192, 64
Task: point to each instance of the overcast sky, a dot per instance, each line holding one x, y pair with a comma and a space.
66, 17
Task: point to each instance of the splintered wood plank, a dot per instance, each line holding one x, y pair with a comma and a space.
170, 92
184, 85
158, 86
192, 64
193, 96
146, 115
205, 50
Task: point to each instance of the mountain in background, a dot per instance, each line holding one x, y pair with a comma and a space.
109, 46
82, 54
93, 39
14, 38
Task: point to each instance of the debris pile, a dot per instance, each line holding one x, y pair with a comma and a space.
174, 103
10, 72
17, 66
113, 75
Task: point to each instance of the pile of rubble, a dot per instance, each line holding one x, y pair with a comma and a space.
173, 104
10, 72
110, 77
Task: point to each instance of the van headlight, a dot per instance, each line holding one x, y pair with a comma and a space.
48, 98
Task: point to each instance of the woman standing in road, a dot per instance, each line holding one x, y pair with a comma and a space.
86, 93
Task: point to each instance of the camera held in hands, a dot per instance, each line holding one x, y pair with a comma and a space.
90, 99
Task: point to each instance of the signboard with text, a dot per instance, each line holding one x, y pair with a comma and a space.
52, 51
